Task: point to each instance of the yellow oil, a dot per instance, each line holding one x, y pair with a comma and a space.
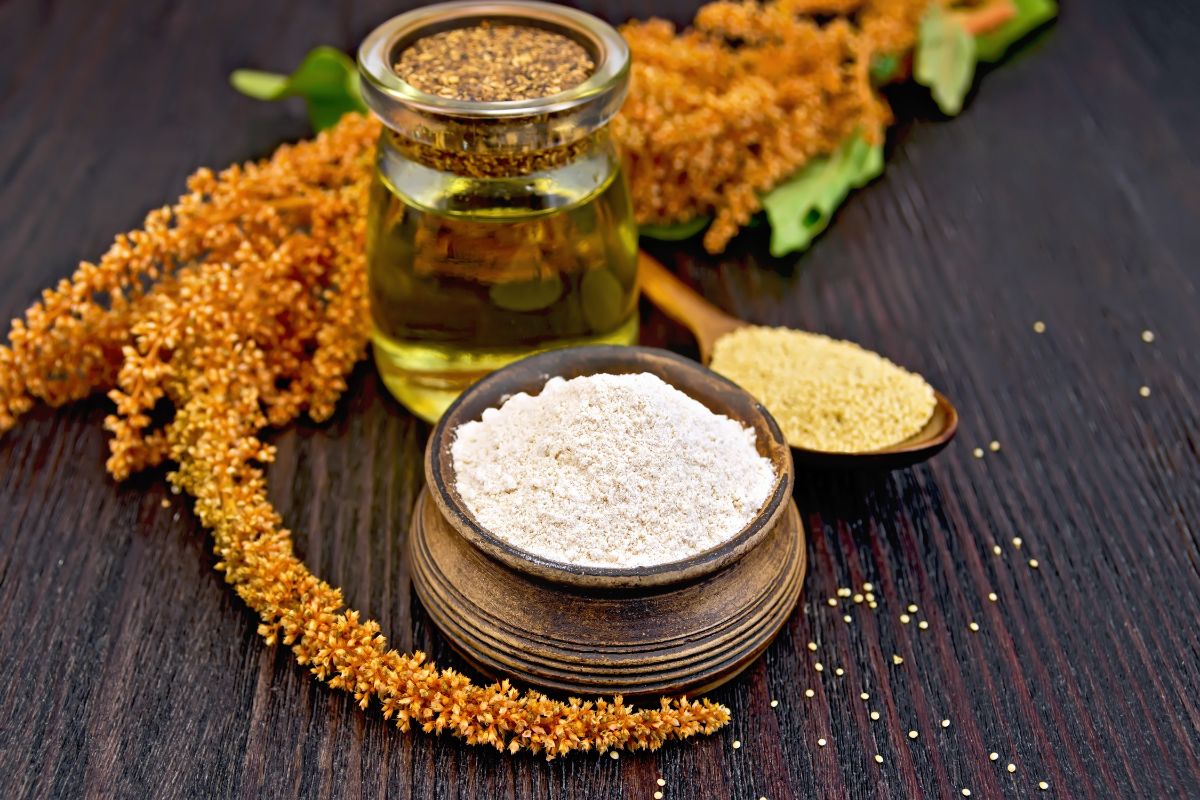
476, 274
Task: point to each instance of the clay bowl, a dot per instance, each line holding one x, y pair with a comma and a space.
682, 627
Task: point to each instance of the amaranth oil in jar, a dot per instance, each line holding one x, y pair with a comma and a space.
500, 222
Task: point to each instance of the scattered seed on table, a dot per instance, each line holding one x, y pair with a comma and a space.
966, 792
878, 758
870, 596
945, 723
821, 742
658, 795
912, 734
812, 646
874, 715
868, 587
977, 452
832, 601
1144, 391
994, 446
994, 756
737, 745
614, 755
1017, 542
864, 696
1039, 327
846, 619
905, 618
774, 704
1147, 336
873, 605
912, 608
1033, 562
897, 660
819, 667
922, 624
844, 592
1043, 786
992, 596
1011, 767
996, 549
974, 626
661, 782
809, 693
858, 598
839, 672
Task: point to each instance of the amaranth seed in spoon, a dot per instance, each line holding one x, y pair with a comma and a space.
826, 394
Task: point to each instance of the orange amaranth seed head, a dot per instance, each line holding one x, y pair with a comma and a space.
258, 283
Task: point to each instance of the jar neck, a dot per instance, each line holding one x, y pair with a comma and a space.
496, 163
445, 182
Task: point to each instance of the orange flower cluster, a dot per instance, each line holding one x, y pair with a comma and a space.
741, 100
240, 307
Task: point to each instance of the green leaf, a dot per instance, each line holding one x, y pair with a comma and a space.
883, 68
327, 79
1031, 14
800, 208
944, 59
259, 85
675, 232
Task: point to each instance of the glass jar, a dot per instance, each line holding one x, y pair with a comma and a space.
495, 229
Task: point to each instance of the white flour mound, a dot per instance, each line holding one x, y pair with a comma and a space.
610, 471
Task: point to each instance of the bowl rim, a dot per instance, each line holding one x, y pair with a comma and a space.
491, 391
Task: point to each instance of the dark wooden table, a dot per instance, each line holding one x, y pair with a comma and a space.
1068, 191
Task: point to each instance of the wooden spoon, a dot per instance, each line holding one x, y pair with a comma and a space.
709, 323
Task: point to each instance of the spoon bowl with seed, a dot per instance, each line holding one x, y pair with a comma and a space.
709, 323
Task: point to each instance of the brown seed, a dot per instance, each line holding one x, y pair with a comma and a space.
489, 62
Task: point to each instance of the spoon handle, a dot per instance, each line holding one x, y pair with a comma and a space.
682, 304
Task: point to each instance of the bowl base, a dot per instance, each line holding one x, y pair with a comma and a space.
682, 638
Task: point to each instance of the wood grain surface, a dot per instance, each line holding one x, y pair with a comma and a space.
1068, 191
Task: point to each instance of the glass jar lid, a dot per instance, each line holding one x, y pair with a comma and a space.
508, 125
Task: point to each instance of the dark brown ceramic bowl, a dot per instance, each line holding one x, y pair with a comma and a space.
683, 626
529, 375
